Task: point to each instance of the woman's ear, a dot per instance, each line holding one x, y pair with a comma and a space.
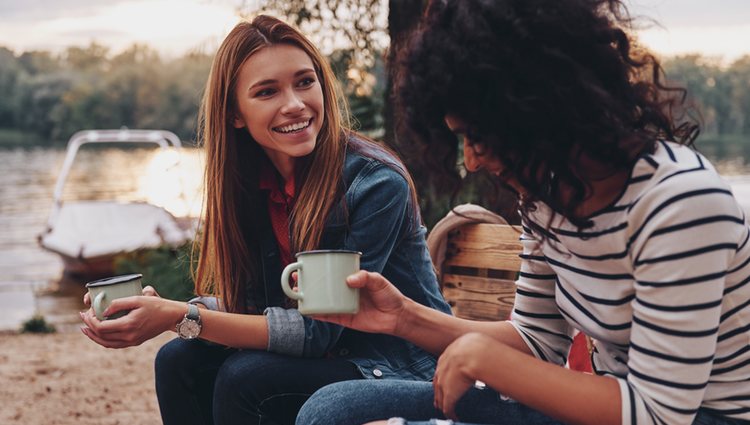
238, 122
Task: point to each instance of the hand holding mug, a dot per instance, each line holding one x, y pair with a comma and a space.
321, 281
103, 291
148, 291
380, 307
147, 317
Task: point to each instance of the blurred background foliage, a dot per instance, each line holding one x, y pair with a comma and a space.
45, 97
166, 269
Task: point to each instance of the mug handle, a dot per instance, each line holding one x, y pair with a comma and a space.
97, 304
285, 275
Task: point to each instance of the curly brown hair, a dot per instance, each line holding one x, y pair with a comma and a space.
537, 82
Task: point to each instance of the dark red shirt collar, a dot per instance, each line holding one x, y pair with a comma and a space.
270, 180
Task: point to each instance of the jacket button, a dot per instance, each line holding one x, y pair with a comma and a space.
343, 352
377, 373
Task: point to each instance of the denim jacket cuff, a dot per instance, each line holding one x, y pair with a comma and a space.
211, 303
286, 331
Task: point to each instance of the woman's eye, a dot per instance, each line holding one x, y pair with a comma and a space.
264, 92
305, 82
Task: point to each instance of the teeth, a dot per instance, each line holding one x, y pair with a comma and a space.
293, 127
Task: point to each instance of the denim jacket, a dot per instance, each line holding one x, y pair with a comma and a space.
380, 224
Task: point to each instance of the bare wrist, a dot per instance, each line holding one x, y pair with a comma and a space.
176, 314
405, 324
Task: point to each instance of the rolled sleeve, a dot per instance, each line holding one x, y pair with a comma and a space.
286, 331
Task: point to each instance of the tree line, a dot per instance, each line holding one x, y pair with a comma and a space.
51, 96
46, 97
721, 95
54, 95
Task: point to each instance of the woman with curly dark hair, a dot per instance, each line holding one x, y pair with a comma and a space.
629, 235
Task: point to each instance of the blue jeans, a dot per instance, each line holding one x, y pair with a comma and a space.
358, 402
355, 403
198, 383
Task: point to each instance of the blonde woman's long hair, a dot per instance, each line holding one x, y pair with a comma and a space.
228, 262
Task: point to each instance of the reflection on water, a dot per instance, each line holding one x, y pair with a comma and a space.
173, 181
26, 187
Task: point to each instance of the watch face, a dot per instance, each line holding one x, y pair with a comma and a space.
189, 329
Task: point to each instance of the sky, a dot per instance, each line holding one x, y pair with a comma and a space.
717, 28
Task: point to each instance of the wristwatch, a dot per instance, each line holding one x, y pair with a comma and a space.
190, 326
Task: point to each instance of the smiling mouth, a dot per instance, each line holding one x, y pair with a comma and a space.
293, 128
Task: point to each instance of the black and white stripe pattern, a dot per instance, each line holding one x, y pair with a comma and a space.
661, 282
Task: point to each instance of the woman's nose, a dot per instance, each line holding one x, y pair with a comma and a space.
292, 104
471, 162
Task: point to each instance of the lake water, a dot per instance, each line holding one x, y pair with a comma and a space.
31, 278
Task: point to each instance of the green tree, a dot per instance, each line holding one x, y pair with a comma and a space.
708, 90
183, 81
42, 101
11, 73
739, 76
360, 23
83, 106
90, 59
133, 86
39, 62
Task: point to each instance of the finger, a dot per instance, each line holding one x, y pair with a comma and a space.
104, 328
449, 410
89, 319
449, 404
87, 298
372, 281
436, 390
127, 303
101, 341
149, 291
332, 318
100, 327
295, 276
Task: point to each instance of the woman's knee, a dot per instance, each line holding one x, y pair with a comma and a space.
174, 356
356, 402
246, 374
325, 405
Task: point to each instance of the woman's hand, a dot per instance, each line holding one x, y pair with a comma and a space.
460, 366
380, 305
149, 316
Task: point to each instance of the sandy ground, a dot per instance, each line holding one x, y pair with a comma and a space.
64, 378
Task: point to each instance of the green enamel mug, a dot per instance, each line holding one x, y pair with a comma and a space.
321, 281
103, 291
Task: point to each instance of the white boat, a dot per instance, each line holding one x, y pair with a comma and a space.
89, 234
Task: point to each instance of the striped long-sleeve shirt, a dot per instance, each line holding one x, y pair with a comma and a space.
660, 282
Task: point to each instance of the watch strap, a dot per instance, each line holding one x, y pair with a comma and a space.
193, 313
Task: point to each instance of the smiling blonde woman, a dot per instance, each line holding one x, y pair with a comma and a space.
284, 174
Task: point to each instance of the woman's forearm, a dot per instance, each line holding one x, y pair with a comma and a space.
232, 330
235, 330
434, 330
573, 397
